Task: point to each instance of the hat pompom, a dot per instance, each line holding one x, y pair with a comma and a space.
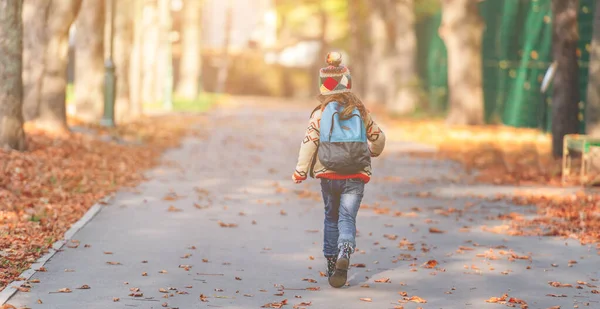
334, 59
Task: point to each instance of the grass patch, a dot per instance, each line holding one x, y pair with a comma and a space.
201, 104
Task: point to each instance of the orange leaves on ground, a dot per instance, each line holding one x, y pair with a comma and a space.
276, 305
557, 284
302, 304
49, 187
383, 280
229, 225
417, 299
435, 230
366, 299
431, 264
497, 299
174, 209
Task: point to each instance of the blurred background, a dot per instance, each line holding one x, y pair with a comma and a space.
396, 51
514, 63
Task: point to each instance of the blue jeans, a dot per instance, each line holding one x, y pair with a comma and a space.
342, 200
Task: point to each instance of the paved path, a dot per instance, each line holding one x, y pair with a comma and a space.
239, 173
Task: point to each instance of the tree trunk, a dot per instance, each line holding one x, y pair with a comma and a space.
378, 67
135, 72
358, 43
321, 56
190, 64
151, 46
35, 16
592, 111
12, 135
89, 61
566, 95
52, 109
406, 77
462, 30
123, 41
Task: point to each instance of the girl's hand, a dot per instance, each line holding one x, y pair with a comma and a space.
296, 180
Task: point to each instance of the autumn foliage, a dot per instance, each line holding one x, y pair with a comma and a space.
45, 190
510, 156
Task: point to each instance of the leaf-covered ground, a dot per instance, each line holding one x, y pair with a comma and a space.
512, 156
44, 190
223, 226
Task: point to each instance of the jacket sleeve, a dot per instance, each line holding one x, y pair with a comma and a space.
376, 138
308, 148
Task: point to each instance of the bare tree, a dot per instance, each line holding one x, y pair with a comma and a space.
34, 42
52, 109
46, 85
406, 96
150, 54
135, 71
12, 135
89, 61
592, 111
379, 70
123, 41
462, 30
191, 62
357, 18
566, 97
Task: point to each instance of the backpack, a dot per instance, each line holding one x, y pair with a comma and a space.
343, 146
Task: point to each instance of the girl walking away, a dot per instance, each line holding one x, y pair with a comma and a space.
340, 140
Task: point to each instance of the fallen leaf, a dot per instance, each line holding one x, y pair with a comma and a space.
497, 299
417, 299
228, 225
116, 299
435, 230
310, 280
302, 304
64, 290
430, 264
113, 263
366, 299
359, 265
514, 300
174, 209
275, 305
84, 287
559, 285
383, 280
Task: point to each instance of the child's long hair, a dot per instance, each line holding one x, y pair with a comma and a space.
347, 99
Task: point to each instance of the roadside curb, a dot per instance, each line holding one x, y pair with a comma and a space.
10, 288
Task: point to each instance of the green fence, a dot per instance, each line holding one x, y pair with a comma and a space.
517, 47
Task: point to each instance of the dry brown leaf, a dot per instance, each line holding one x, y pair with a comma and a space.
64, 290
430, 264
113, 263
229, 225
417, 299
174, 209
559, 285
435, 230
366, 299
497, 299
116, 299
383, 280
84, 287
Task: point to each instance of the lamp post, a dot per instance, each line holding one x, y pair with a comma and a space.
108, 119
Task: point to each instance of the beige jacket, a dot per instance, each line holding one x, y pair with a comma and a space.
308, 161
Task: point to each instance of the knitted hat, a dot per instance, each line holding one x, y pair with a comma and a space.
335, 78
